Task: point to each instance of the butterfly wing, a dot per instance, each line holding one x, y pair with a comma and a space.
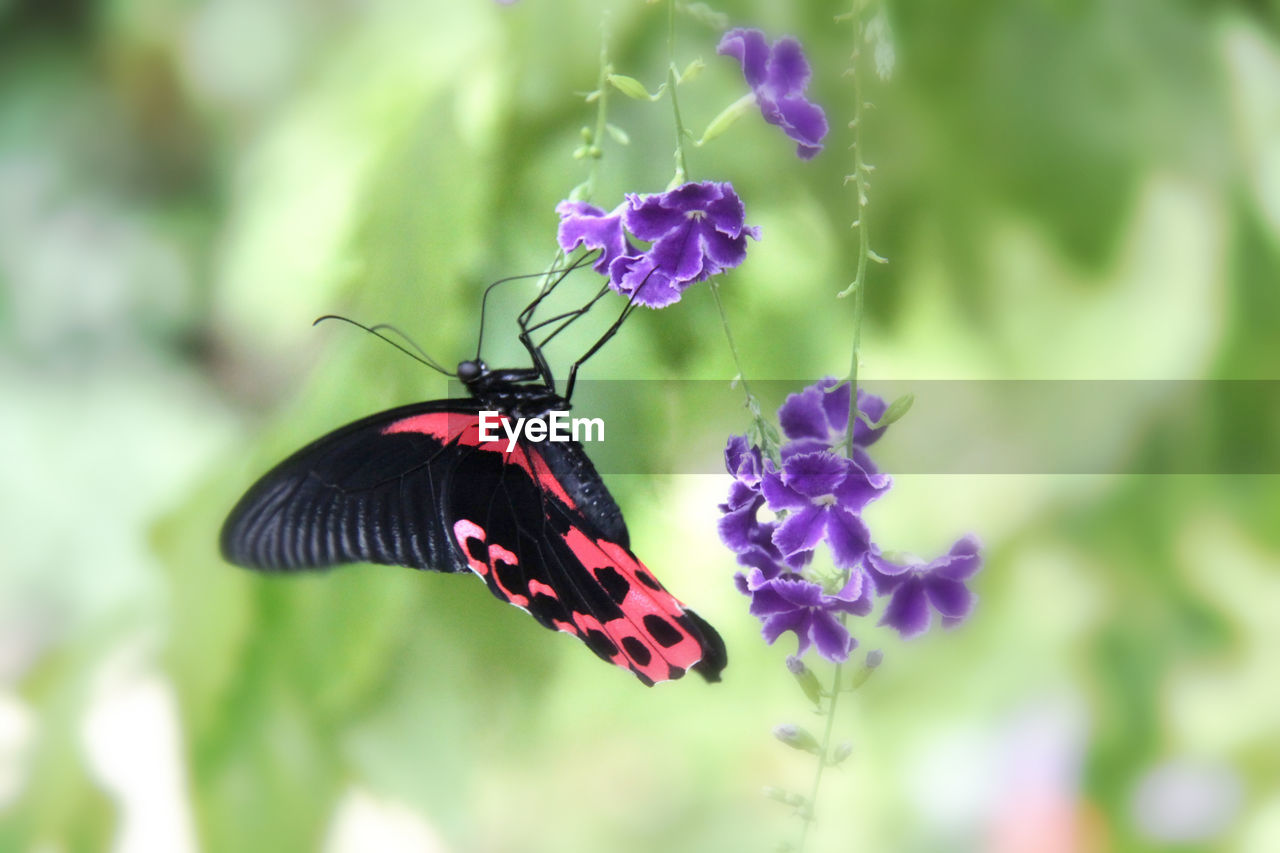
359, 494
416, 486
551, 540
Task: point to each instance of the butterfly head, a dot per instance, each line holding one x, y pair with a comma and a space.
470, 371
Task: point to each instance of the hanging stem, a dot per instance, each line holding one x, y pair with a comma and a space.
682, 167
810, 805
857, 288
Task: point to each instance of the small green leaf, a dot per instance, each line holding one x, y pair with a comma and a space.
619, 135
727, 117
897, 409
693, 69
633, 88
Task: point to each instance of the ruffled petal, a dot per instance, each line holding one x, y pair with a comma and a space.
800, 531
962, 562
874, 407
908, 610
801, 416
788, 70
848, 537
816, 474
951, 599
779, 495
583, 224
832, 639
751, 49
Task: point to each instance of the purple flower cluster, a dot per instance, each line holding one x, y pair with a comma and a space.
817, 495
694, 232
778, 75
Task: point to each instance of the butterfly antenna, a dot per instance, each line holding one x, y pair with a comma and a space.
420, 356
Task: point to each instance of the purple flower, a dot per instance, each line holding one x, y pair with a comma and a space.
822, 494
740, 528
695, 231
817, 418
916, 587
778, 75
744, 461
790, 603
583, 224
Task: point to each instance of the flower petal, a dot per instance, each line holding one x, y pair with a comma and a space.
848, 537
736, 526
860, 488
950, 598
751, 49
779, 495
800, 531
583, 224
788, 70
816, 474
796, 620
962, 561
874, 407
832, 639
908, 610
801, 416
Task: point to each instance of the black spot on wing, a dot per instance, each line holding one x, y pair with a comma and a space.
647, 579
644, 679
637, 651
547, 610
477, 550
599, 643
613, 582
662, 631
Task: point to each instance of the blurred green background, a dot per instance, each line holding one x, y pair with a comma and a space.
1085, 190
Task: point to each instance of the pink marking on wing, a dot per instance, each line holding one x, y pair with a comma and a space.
537, 587
566, 627
640, 601
537, 468
496, 553
464, 529
464, 428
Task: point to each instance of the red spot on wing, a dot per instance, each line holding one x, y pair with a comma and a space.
464, 428
537, 587
641, 605
463, 530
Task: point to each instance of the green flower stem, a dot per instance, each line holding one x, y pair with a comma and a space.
602, 112
764, 431
682, 167
810, 806
859, 178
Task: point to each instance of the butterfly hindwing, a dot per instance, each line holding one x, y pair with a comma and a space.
538, 544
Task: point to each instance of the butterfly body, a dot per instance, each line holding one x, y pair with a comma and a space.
419, 486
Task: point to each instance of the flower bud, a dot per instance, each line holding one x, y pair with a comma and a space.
805, 678
797, 738
840, 753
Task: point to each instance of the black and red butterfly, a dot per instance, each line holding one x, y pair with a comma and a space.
416, 486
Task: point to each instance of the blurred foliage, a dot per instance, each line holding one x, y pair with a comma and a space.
1063, 190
